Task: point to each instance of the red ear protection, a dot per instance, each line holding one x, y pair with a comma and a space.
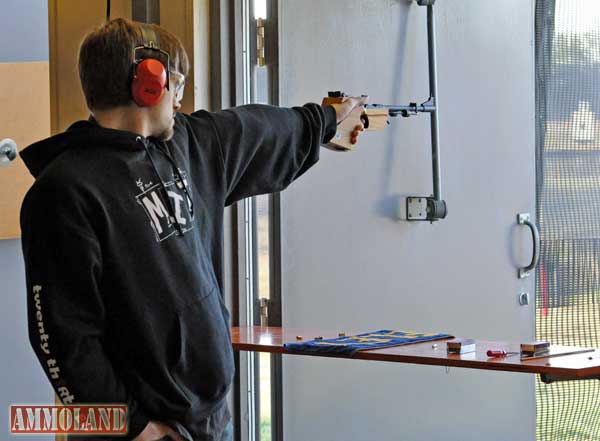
149, 82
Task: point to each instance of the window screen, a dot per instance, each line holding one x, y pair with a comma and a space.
568, 206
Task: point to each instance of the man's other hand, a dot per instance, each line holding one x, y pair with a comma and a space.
156, 430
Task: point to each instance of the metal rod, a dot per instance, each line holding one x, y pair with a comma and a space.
398, 109
437, 190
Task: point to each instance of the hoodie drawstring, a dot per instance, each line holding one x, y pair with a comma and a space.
180, 182
170, 206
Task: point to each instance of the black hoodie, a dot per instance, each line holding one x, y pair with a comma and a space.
123, 244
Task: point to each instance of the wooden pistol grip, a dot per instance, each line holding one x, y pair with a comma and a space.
341, 139
372, 119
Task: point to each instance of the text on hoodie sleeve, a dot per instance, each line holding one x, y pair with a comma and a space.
66, 314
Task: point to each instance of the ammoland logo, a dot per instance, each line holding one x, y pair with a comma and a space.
101, 419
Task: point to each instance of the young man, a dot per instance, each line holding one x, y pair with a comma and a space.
122, 232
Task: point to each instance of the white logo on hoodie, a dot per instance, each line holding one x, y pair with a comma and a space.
157, 211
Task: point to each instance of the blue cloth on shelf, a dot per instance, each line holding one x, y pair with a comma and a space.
349, 345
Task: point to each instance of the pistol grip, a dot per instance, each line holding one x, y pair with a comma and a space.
341, 139
372, 120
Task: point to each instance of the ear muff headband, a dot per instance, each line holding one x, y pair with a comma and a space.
150, 75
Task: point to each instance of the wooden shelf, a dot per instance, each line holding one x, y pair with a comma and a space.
571, 367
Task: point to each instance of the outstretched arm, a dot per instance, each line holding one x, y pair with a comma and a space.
265, 148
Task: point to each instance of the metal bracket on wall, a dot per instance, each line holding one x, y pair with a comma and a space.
425, 208
436, 208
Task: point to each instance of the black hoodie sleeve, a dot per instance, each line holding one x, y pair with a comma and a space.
66, 313
265, 148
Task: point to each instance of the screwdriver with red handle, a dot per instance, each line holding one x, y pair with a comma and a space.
499, 353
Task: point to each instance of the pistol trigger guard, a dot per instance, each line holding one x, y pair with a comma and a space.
364, 119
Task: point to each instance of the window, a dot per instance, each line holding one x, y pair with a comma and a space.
260, 227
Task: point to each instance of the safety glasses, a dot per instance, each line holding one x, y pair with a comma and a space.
177, 84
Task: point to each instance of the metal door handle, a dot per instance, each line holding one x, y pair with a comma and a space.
525, 219
8, 151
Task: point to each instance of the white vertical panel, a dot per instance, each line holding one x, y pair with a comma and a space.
24, 75
350, 261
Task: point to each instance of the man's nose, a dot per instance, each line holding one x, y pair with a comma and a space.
176, 104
